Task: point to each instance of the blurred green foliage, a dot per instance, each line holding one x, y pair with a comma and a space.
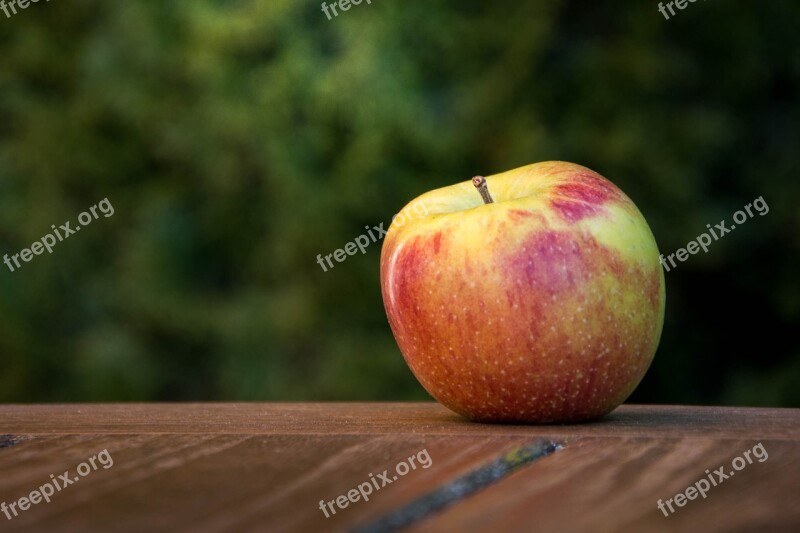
237, 140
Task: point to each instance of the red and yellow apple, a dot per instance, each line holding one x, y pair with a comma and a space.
544, 305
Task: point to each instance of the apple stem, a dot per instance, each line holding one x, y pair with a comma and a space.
480, 183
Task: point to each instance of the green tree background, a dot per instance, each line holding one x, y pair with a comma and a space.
237, 140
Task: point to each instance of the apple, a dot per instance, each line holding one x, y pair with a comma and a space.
531, 296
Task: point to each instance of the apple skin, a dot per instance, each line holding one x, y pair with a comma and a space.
545, 306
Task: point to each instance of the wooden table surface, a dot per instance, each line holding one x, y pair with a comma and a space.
266, 467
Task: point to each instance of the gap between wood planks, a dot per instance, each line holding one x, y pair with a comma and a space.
6, 441
461, 487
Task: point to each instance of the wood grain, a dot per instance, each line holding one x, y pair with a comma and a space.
371, 418
602, 484
257, 467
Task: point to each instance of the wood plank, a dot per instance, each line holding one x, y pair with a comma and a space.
609, 484
384, 418
255, 467
183, 482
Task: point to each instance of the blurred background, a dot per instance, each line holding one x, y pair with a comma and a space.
236, 140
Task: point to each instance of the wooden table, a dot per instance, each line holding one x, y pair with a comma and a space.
266, 467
